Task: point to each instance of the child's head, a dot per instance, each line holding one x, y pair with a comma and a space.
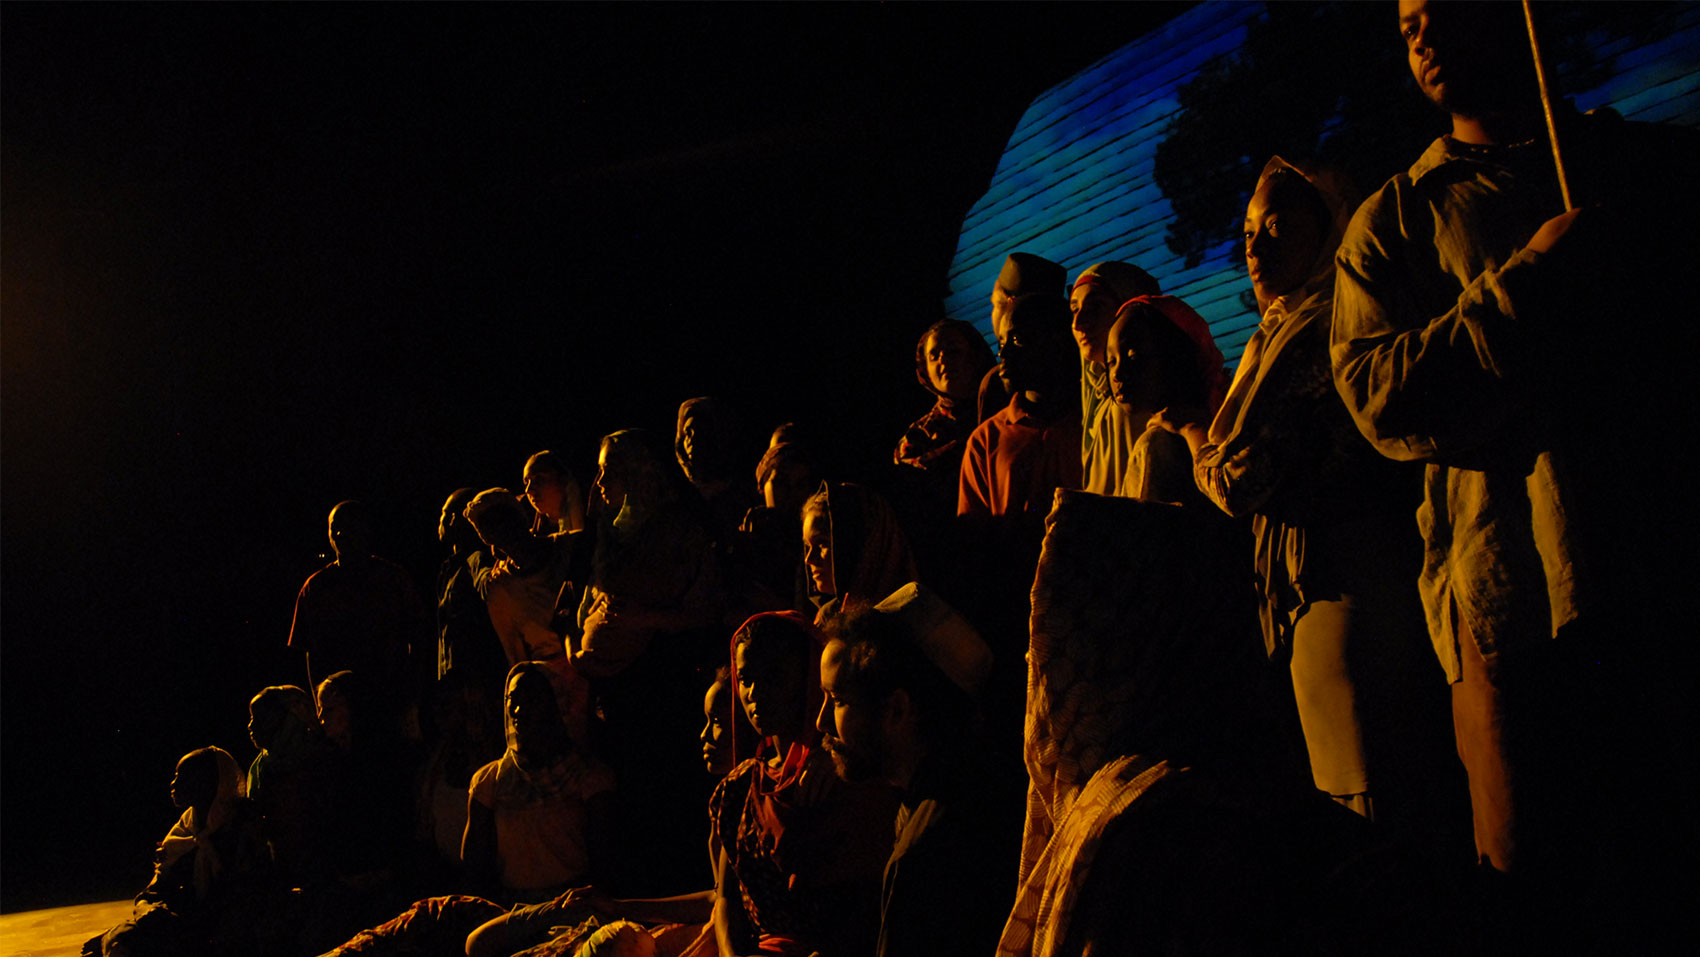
1160, 355
269, 709
1036, 346
195, 784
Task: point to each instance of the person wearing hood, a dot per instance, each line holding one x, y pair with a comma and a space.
853, 548
535, 813
706, 441
554, 492
1109, 434
950, 360
1335, 553
1162, 358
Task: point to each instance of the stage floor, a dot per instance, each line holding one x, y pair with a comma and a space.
57, 931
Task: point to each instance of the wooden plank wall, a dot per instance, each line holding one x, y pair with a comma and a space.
1076, 183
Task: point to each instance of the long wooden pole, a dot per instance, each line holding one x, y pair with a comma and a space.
1546, 104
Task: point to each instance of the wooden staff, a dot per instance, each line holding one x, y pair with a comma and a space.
1546, 104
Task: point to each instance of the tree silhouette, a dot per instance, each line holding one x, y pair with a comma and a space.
1328, 82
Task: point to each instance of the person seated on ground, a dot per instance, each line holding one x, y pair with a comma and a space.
286, 779
1109, 434
709, 447
466, 640
212, 879
465, 719
361, 612
951, 358
768, 551
1166, 812
1335, 551
679, 926
1022, 275
799, 853
1161, 356
554, 492
535, 815
900, 682
853, 548
525, 587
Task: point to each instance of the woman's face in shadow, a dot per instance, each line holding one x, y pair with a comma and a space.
770, 686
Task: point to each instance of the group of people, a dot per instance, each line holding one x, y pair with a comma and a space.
1366, 646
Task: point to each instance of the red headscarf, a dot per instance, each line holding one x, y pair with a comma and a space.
1209, 357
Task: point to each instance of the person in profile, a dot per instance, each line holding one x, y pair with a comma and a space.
767, 553
649, 624
524, 588
287, 777
798, 853
466, 639
1335, 553
212, 872
707, 442
361, 612
853, 548
554, 493
1161, 356
1110, 434
900, 682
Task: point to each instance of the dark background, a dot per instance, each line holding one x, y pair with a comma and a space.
259, 259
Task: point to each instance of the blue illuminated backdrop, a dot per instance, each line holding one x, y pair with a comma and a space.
1076, 182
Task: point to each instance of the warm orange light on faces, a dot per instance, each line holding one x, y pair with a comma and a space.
817, 550
1093, 312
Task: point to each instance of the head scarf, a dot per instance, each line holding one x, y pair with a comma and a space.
979, 353
1024, 274
194, 832
1121, 281
715, 447
1339, 199
1207, 357
870, 553
540, 671
772, 792
812, 642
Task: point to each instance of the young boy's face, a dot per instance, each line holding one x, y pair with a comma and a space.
1033, 353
